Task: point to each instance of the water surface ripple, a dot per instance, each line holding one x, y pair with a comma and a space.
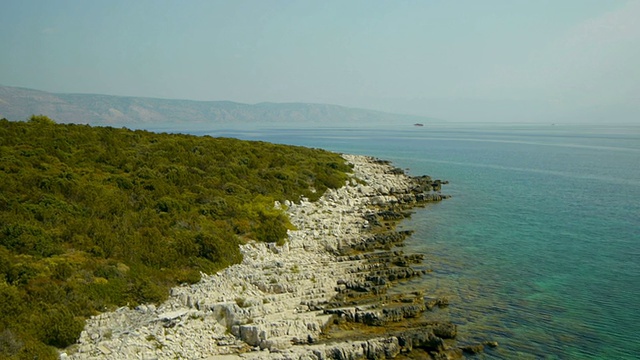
539, 248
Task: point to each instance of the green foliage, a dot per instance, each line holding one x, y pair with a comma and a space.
41, 119
60, 327
95, 218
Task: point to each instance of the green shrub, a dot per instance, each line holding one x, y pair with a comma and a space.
92, 218
60, 327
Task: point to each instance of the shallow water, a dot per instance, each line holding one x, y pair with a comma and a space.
539, 247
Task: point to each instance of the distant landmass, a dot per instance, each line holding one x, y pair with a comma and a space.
150, 113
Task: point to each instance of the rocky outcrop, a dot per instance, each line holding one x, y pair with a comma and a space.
282, 302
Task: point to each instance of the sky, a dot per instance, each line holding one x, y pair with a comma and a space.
467, 60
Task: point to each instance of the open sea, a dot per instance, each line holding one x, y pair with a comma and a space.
539, 247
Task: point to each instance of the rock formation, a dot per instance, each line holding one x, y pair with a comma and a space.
291, 301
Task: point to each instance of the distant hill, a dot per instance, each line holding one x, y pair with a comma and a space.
150, 113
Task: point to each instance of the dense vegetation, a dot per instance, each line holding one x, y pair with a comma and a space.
92, 218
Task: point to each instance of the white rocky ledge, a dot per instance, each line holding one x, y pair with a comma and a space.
257, 309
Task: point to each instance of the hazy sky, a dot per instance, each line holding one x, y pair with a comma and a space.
510, 60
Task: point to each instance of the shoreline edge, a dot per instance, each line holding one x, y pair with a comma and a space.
291, 301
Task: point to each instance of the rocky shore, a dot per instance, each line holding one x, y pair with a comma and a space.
322, 295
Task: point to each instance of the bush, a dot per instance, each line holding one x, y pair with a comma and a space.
60, 327
92, 218
271, 227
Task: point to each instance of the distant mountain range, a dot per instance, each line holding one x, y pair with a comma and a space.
149, 113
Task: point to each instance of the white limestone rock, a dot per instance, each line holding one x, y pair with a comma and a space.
266, 300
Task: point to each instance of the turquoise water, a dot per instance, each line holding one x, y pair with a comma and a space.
539, 247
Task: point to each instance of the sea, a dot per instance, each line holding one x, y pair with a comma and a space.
538, 248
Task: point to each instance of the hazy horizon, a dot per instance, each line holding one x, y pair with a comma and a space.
494, 61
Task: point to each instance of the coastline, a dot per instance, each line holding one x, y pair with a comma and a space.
294, 301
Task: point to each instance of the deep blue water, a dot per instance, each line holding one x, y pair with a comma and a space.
539, 247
